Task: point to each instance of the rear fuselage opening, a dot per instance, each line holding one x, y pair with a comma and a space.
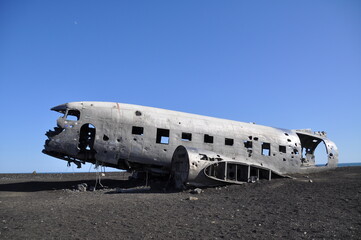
317, 150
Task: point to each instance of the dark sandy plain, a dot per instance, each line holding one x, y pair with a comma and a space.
324, 205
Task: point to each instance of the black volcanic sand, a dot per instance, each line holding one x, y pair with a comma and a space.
323, 205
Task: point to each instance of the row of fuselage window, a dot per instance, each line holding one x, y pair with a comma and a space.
163, 138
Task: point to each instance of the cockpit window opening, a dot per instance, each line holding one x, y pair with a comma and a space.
72, 115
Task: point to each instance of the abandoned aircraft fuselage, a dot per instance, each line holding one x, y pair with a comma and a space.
195, 149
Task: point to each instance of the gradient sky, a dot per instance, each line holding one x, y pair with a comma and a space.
288, 64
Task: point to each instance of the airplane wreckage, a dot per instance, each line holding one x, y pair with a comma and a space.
193, 150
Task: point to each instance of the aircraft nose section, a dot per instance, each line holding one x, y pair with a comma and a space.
52, 133
60, 108
50, 143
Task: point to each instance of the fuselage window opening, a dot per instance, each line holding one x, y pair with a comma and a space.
162, 136
266, 149
282, 149
208, 138
137, 130
247, 144
187, 137
228, 141
72, 115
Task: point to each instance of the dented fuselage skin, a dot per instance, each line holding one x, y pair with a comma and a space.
195, 149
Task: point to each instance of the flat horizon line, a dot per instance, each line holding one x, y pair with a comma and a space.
352, 164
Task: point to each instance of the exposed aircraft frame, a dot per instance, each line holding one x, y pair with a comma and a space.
195, 150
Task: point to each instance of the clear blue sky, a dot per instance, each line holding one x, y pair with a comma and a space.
288, 64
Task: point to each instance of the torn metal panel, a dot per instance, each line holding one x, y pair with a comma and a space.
140, 138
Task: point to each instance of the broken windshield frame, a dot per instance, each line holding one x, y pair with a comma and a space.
72, 115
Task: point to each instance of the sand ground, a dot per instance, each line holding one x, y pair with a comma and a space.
323, 205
